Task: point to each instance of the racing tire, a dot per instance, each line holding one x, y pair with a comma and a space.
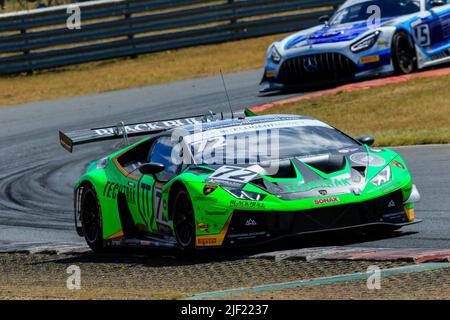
91, 220
403, 54
184, 221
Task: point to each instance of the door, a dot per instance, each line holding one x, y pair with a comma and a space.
145, 201
150, 189
433, 35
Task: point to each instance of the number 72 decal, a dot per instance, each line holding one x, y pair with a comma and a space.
423, 35
232, 174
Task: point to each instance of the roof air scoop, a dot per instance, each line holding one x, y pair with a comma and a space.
327, 164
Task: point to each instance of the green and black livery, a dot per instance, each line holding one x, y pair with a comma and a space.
326, 180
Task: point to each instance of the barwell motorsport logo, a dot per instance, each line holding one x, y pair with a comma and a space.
251, 222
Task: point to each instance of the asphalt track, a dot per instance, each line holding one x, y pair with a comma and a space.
36, 174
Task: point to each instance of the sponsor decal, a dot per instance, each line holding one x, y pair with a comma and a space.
398, 164
370, 59
347, 150
203, 227
112, 190
246, 204
365, 159
246, 236
210, 241
115, 243
388, 186
316, 184
445, 24
143, 127
204, 198
216, 213
273, 123
323, 192
326, 200
251, 223
209, 189
270, 74
391, 204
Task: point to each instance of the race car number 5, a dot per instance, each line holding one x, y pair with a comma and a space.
423, 36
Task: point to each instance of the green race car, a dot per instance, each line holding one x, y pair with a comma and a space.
216, 181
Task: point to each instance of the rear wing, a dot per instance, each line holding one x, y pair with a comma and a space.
70, 139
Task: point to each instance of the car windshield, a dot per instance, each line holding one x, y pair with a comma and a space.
364, 10
262, 145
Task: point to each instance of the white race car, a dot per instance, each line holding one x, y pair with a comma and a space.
364, 38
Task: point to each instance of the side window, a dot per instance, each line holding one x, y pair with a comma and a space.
133, 158
430, 6
162, 153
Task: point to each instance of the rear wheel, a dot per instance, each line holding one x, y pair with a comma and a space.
403, 53
184, 220
91, 222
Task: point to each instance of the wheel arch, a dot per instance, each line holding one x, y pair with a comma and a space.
110, 217
77, 195
183, 245
405, 30
174, 188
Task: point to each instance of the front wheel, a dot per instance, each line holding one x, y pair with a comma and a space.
403, 54
91, 221
184, 220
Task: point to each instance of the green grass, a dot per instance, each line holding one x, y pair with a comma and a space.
149, 69
413, 112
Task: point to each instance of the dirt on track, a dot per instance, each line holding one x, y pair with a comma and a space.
44, 276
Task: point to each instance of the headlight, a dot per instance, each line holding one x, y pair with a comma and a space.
245, 195
102, 163
366, 42
383, 177
275, 55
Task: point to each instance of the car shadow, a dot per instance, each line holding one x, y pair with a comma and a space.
315, 87
164, 258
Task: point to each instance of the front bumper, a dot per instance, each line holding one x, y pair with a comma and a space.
253, 227
324, 67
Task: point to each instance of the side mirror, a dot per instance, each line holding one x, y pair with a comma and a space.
368, 140
151, 168
324, 19
437, 3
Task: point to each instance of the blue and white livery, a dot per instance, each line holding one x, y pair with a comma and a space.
364, 38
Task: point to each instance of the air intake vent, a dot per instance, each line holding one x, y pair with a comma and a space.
286, 170
330, 164
316, 68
